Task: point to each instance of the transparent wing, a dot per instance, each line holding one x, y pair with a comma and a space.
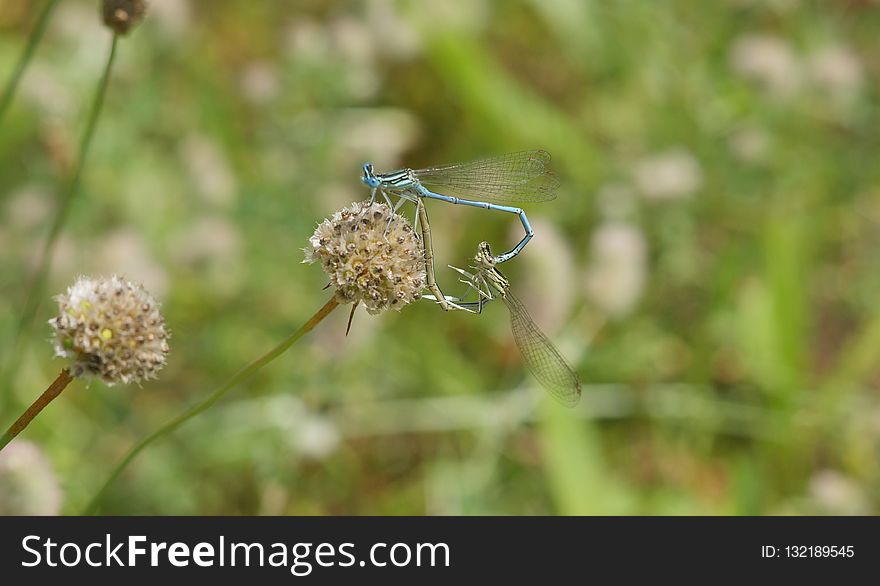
514, 177
541, 357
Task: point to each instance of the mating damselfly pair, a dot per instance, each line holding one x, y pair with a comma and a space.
491, 183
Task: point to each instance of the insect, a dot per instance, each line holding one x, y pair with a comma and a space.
541, 357
485, 183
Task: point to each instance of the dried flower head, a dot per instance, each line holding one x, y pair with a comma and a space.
111, 329
372, 256
123, 15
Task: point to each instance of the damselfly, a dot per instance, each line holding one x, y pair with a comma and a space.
541, 357
486, 183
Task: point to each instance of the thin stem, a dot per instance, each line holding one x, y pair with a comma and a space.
240, 377
58, 385
25, 59
34, 290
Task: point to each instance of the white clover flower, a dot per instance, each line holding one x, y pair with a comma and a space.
111, 329
372, 256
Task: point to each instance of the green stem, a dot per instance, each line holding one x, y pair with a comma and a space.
33, 41
240, 377
58, 385
34, 289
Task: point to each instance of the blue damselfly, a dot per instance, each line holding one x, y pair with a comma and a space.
486, 183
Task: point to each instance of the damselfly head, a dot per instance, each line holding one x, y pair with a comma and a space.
369, 176
484, 258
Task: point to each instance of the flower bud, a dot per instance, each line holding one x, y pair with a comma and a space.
123, 15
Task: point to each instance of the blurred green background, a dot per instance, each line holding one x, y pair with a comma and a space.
710, 266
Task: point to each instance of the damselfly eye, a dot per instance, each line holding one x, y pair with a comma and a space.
369, 176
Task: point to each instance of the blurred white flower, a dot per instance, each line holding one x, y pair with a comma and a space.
673, 174
78, 25
212, 246
616, 200
313, 435
395, 37
618, 267
352, 39
835, 494
28, 207
355, 45
750, 144
259, 82
307, 39
74, 20
209, 170
43, 88
549, 291
208, 239
174, 17
67, 254
380, 135
316, 436
768, 60
125, 252
28, 485
346, 44
837, 70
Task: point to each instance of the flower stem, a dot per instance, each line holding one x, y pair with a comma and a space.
25, 59
239, 377
58, 385
34, 289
